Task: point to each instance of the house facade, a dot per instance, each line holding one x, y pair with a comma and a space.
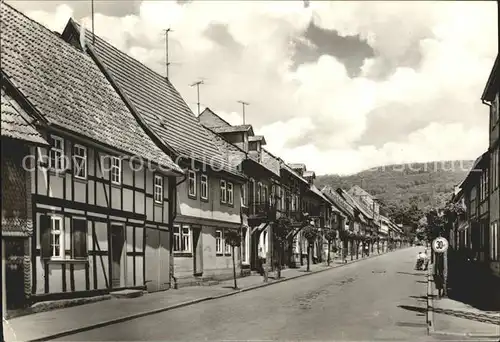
208, 199
101, 191
491, 98
18, 136
259, 200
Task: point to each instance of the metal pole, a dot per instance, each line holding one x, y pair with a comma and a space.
93, 34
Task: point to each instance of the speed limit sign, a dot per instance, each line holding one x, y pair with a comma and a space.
440, 245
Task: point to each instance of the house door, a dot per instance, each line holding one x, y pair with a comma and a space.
198, 251
117, 243
14, 272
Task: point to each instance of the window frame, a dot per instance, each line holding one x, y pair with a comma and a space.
62, 237
192, 178
204, 185
223, 191
179, 235
230, 193
73, 219
156, 187
83, 158
219, 242
188, 248
114, 167
54, 149
227, 247
494, 248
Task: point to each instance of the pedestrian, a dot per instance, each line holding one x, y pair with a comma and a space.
262, 262
439, 275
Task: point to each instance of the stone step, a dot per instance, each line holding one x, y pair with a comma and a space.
127, 294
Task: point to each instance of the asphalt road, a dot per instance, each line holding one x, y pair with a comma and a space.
376, 299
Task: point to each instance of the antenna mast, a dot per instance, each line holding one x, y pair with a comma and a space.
197, 84
243, 104
93, 34
167, 64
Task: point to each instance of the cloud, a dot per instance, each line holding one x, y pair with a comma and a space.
416, 98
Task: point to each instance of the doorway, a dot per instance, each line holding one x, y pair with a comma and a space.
117, 244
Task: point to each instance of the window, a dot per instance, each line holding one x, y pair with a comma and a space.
227, 248
264, 194
192, 184
244, 194
495, 171
79, 236
116, 170
57, 237
259, 192
177, 238
223, 193
158, 191
80, 161
186, 239
182, 238
218, 241
56, 160
204, 187
230, 197
494, 241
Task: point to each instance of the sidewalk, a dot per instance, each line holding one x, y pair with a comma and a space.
454, 318
62, 322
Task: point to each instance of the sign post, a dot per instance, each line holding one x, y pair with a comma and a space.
440, 245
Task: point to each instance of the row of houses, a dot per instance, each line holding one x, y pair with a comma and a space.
110, 182
476, 232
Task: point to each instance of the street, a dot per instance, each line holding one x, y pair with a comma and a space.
377, 299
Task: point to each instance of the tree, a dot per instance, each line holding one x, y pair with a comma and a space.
233, 239
282, 229
330, 235
310, 233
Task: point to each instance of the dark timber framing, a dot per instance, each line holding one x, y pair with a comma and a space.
97, 207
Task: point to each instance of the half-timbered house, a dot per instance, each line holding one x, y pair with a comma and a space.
102, 190
207, 200
18, 135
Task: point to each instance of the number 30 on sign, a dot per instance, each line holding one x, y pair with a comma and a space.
440, 245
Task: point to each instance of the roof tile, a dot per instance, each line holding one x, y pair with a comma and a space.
68, 89
160, 105
15, 122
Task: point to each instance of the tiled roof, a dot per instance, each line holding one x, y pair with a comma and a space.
68, 89
270, 162
232, 129
355, 204
316, 191
209, 119
16, 122
476, 169
309, 174
338, 201
286, 167
258, 138
158, 103
491, 87
297, 166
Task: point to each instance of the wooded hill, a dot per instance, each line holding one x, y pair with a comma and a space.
422, 185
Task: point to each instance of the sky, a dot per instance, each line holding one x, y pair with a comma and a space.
339, 86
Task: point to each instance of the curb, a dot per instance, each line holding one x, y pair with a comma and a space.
190, 302
430, 317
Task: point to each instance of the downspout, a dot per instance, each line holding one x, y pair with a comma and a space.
173, 196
